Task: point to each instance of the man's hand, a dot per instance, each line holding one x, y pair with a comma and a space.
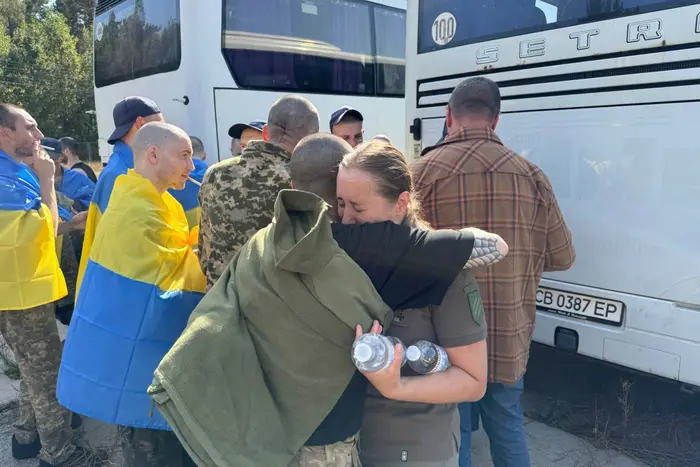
388, 381
42, 164
79, 221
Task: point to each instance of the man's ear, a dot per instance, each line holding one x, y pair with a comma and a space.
266, 133
291, 185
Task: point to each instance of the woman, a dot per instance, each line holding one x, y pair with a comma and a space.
411, 419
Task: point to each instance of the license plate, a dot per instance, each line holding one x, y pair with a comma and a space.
580, 306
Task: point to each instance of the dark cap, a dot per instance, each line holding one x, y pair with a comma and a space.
237, 130
52, 146
338, 115
127, 111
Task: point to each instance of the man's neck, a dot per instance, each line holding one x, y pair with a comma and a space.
72, 160
155, 181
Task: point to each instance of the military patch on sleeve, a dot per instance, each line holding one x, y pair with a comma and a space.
476, 306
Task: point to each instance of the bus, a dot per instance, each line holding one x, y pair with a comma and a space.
604, 96
211, 64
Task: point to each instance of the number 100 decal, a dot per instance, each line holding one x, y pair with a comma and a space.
444, 28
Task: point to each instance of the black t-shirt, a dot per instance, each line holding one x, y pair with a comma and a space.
410, 268
87, 169
345, 419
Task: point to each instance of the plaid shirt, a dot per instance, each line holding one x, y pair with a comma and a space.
472, 179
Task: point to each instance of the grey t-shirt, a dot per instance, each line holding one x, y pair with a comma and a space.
395, 431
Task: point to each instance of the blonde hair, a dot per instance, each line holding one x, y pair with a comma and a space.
388, 166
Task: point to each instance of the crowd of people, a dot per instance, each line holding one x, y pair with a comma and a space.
212, 308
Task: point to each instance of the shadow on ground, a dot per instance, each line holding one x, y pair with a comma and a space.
644, 417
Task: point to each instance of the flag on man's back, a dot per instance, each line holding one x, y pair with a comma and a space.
121, 160
30, 275
141, 283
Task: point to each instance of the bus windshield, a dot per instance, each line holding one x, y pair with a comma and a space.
451, 23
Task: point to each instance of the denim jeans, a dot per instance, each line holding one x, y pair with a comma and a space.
503, 420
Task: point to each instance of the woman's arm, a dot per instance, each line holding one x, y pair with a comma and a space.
464, 381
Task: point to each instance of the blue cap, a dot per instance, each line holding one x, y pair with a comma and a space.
127, 111
338, 115
237, 130
52, 146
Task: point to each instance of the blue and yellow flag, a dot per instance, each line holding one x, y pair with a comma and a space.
141, 283
77, 187
30, 275
188, 196
121, 160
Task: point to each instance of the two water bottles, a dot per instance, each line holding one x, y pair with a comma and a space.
375, 352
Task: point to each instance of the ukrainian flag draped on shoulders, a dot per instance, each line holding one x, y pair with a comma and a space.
30, 275
121, 160
188, 197
141, 282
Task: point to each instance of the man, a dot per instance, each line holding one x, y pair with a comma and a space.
265, 309
243, 133
188, 196
141, 283
471, 178
237, 195
346, 123
130, 114
30, 282
72, 183
74, 191
69, 149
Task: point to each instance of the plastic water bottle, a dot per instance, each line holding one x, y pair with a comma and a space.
425, 357
374, 352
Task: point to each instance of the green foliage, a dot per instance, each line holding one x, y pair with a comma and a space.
46, 64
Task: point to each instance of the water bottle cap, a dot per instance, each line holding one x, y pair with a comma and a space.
362, 353
413, 354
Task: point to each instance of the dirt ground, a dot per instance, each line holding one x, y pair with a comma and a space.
646, 418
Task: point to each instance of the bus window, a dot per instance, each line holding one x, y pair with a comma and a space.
390, 31
302, 45
136, 38
451, 23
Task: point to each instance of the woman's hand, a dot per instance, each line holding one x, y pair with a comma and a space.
387, 381
375, 329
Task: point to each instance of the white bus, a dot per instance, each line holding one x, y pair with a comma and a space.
604, 95
212, 63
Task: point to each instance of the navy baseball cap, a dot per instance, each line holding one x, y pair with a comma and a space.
52, 146
237, 130
338, 115
127, 111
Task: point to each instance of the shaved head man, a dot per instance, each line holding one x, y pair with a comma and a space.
314, 166
237, 195
163, 154
153, 286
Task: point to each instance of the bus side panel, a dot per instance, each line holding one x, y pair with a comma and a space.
382, 114
626, 180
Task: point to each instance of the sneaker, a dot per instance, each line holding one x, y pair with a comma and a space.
25, 451
81, 457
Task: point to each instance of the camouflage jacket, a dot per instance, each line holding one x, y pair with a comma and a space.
237, 199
